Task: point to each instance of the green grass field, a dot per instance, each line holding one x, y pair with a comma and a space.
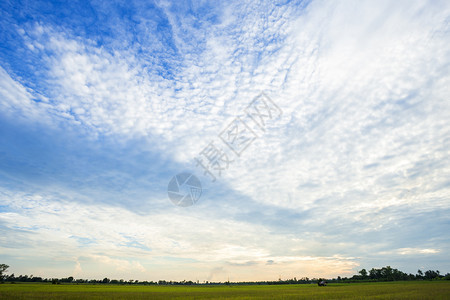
387, 290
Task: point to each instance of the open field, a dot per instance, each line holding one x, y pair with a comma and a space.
385, 290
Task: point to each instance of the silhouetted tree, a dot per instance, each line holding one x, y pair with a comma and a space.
363, 273
68, 279
430, 274
375, 273
3, 269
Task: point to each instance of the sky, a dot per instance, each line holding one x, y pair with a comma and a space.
102, 103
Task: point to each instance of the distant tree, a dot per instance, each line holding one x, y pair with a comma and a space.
386, 273
430, 274
419, 274
68, 279
375, 273
11, 277
3, 269
363, 273
105, 280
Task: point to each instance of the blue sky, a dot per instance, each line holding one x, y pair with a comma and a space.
101, 103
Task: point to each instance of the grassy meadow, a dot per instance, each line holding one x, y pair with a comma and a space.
380, 290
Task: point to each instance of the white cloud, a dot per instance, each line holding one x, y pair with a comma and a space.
409, 251
17, 100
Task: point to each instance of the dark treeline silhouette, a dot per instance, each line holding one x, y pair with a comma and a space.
384, 274
389, 274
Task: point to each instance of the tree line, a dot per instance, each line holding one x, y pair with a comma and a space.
383, 274
389, 274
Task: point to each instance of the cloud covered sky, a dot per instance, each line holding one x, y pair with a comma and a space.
102, 103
